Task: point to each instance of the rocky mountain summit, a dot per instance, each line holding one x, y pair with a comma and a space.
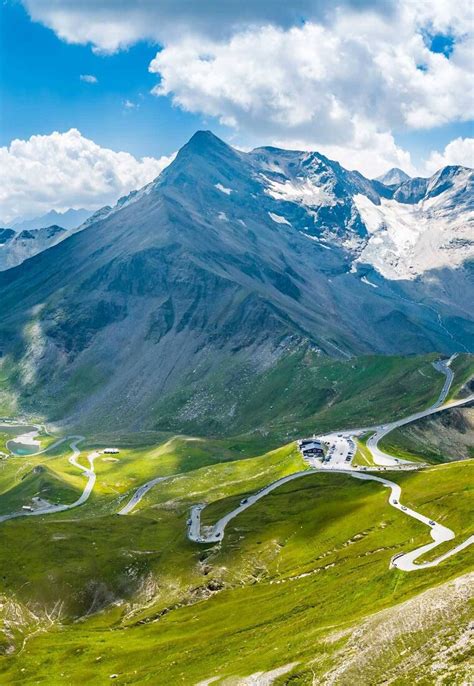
230, 260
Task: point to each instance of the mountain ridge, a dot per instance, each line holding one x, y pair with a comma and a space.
226, 260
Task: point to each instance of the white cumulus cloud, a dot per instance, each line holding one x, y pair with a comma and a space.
318, 81
64, 170
459, 151
340, 77
111, 25
89, 78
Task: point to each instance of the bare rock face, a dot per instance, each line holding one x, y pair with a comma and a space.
232, 259
16, 247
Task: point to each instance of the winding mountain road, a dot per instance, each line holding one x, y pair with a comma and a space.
87, 471
339, 442
216, 532
340, 454
382, 458
340, 461
139, 493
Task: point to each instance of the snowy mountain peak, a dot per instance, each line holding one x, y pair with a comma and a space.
393, 177
400, 230
18, 247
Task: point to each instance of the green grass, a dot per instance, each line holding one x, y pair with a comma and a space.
337, 531
446, 493
463, 368
132, 596
39, 482
304, 392
363, 456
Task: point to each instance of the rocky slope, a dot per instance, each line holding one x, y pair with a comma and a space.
228, 258
16, 247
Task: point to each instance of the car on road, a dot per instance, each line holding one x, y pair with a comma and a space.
404, 508
432, 523
244, 501
395, 502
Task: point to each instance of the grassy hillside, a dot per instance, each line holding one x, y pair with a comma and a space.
301, 584
303, 392
294, 573
300, 392
440, 438
39, 482
463, 368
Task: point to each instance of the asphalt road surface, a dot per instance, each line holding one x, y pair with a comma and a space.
87, 471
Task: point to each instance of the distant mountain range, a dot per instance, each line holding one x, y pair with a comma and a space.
393, 177
70, 219
16, 247
224, 266
26, 238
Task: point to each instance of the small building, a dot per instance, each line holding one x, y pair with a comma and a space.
311, 447
111, 451
28, 508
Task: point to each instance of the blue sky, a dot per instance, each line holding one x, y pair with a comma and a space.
372, 84
42, 92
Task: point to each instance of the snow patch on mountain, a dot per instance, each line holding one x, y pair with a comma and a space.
303, 191
365, 280
278, 218
408, 240
315, 239
223, 189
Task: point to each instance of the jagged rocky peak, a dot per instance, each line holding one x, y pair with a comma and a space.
393, 177
237, 253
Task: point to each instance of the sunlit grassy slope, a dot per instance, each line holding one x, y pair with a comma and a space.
303, 391
310, 558
98, 594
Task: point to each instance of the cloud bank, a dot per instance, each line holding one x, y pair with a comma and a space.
341, 77
66, 170
343, 87
111, 25
459, 151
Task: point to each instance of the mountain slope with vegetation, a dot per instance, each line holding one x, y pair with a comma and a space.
297, 571
226, 267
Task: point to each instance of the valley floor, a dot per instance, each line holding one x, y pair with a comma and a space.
307, 586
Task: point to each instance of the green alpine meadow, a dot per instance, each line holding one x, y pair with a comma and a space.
236, 343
